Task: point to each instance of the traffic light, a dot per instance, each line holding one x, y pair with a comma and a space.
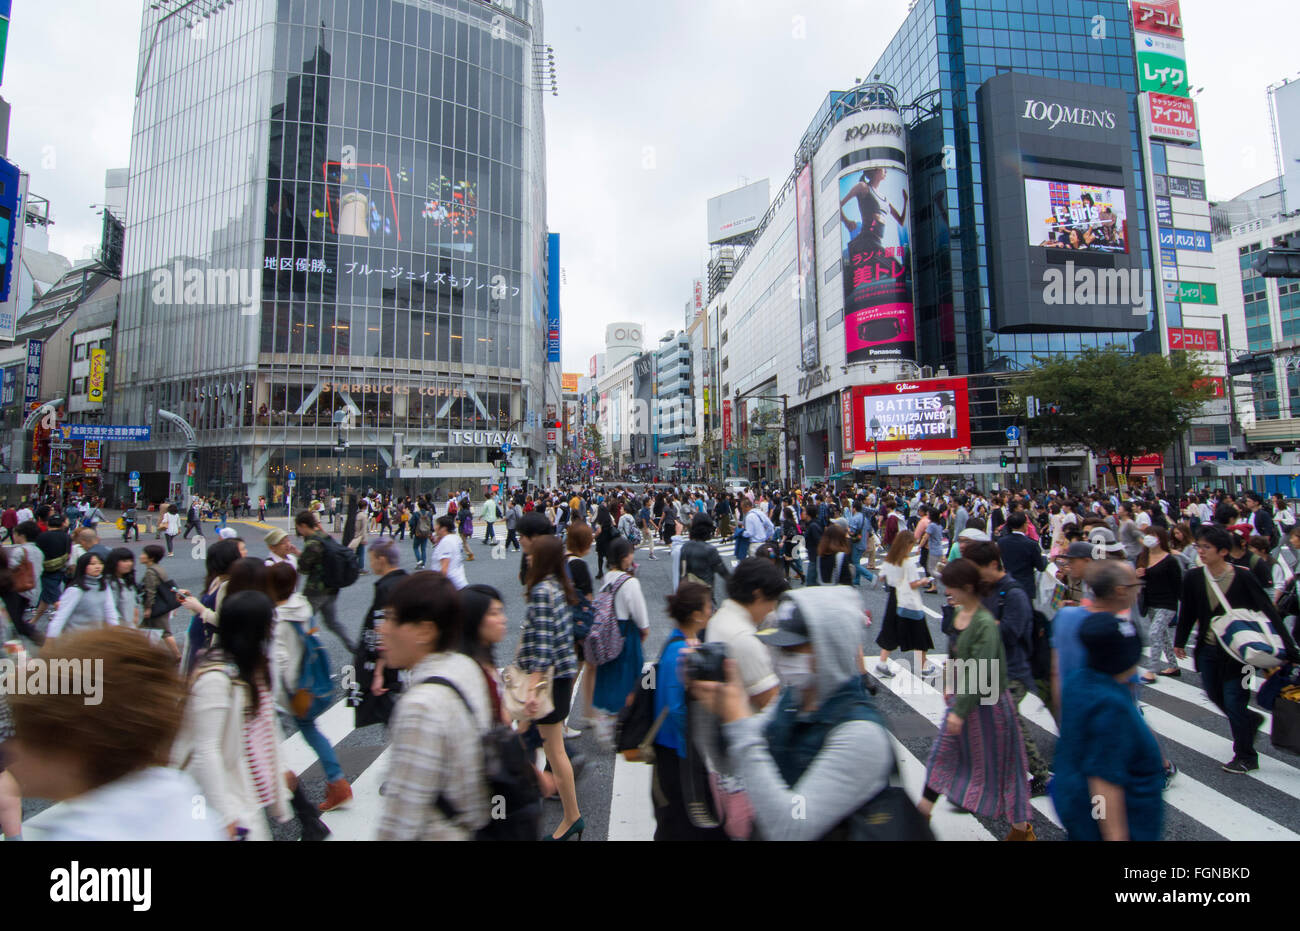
504, 466
1052, 410
1003, 462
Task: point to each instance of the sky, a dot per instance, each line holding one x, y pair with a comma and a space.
661, 106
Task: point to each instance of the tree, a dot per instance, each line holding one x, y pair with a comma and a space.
1113, 402
595, 442
763, 436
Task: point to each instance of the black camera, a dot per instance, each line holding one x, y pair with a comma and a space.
704, 663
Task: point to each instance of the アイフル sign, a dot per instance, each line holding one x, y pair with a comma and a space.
1172, 117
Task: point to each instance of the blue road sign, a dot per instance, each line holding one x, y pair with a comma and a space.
1013, 434
134, 476
505, 449
293, 476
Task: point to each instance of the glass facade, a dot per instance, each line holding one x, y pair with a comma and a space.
937, 61
337, 210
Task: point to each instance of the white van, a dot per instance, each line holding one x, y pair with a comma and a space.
736, 485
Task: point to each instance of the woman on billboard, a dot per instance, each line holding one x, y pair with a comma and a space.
872, 206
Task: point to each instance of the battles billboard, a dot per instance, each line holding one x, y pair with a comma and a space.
737, 213
927, 414
1060, 206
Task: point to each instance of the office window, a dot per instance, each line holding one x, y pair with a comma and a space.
78, 386
80, 352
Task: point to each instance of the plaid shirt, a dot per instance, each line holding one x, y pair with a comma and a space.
548, 632
437, 751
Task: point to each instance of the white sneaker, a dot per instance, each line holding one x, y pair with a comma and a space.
570, 733
884, 671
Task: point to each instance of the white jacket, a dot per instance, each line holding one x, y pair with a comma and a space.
210, 747
286, 647
152, 804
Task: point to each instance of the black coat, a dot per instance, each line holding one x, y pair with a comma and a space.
1020, 557
371, 708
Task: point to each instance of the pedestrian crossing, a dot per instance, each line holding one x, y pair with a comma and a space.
1204, 802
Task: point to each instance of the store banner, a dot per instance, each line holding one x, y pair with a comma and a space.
98, 358
1162, 64
809, 337
1172, 118
32, 380
726, 424
1160, 16
1192, 292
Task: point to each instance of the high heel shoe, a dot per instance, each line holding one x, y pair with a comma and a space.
574, 829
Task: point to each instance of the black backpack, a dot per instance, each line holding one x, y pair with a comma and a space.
511, 779
1040, 636
339, 566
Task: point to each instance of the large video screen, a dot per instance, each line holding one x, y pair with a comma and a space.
876, 265
928, 414
389, 206
1076, 217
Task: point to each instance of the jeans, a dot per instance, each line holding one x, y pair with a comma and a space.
855, 556
324, 750
512, 537
361, 556
1221, 677
491, 535
421, 549
127, 528
323, 605
742, 545
813, 571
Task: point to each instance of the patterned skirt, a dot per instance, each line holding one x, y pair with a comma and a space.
983, 769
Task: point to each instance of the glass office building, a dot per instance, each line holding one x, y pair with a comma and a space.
336, 234
941, 56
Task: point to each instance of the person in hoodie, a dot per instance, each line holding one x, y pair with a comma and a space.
821, 747
106, 761
293, 610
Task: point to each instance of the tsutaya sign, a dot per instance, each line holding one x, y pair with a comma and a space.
482, 438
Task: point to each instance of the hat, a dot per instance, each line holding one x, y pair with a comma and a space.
1079, 550
791, 629
970, 533
1112, 643
275, 537
227, 533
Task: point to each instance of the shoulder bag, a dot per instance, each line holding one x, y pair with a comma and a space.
1248, 636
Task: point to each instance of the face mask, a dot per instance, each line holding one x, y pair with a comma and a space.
794, 669
1150, 542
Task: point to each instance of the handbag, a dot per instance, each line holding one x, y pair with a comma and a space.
515, 692
1249, 637
1286, 719
24, 577
165, 600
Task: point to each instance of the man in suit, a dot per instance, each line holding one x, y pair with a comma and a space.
1021, 555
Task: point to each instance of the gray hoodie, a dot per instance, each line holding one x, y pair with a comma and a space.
857, 758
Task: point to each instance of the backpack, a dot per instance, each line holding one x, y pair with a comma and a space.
339, 566
604, 643
637, 727
419, 526
511, 779
314, 690
582, 612
1039, 644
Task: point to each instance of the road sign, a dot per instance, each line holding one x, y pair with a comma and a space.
505, 449
134, 477
1013, 434
293, 477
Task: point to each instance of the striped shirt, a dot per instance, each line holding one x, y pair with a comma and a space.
548, 632
259, 749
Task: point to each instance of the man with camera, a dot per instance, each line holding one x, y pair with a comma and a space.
820, 752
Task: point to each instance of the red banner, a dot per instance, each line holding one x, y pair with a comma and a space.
726, 423
925, 414
1172, 117
1151, 459
1162, 16
1193, 340
1214, 383
846, 415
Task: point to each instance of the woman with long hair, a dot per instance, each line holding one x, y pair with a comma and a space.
978, 759
904, 627
789, 541
119, 569
221, 556
230, 739
833, 565
1162, 579
87, 603
547, 644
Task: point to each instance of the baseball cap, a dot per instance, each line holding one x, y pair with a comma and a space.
274, 537
1078, 550
1112, 643
791, 629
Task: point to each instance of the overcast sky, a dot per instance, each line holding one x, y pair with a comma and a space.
662, 105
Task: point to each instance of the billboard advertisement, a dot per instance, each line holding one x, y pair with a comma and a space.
1076, 217
1172, 118
9, 392
9, 222
1286, 116
32, 383
876, 265
1162, 64
929, 414
96, 381
553, 298
737, 213
569, 382
726, 424
1160, 16
810, 347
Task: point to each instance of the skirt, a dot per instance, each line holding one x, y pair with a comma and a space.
900, 633
562, 696
617, 679
984, 768
724, 526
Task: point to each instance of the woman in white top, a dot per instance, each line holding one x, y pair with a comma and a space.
171, 526
230, 738
448, 554
19, 603
617, 679
905, 627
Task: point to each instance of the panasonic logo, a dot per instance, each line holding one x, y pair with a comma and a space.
1056, 114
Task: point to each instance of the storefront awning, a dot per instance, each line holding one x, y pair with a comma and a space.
863, 461
967, 468
1244, 466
